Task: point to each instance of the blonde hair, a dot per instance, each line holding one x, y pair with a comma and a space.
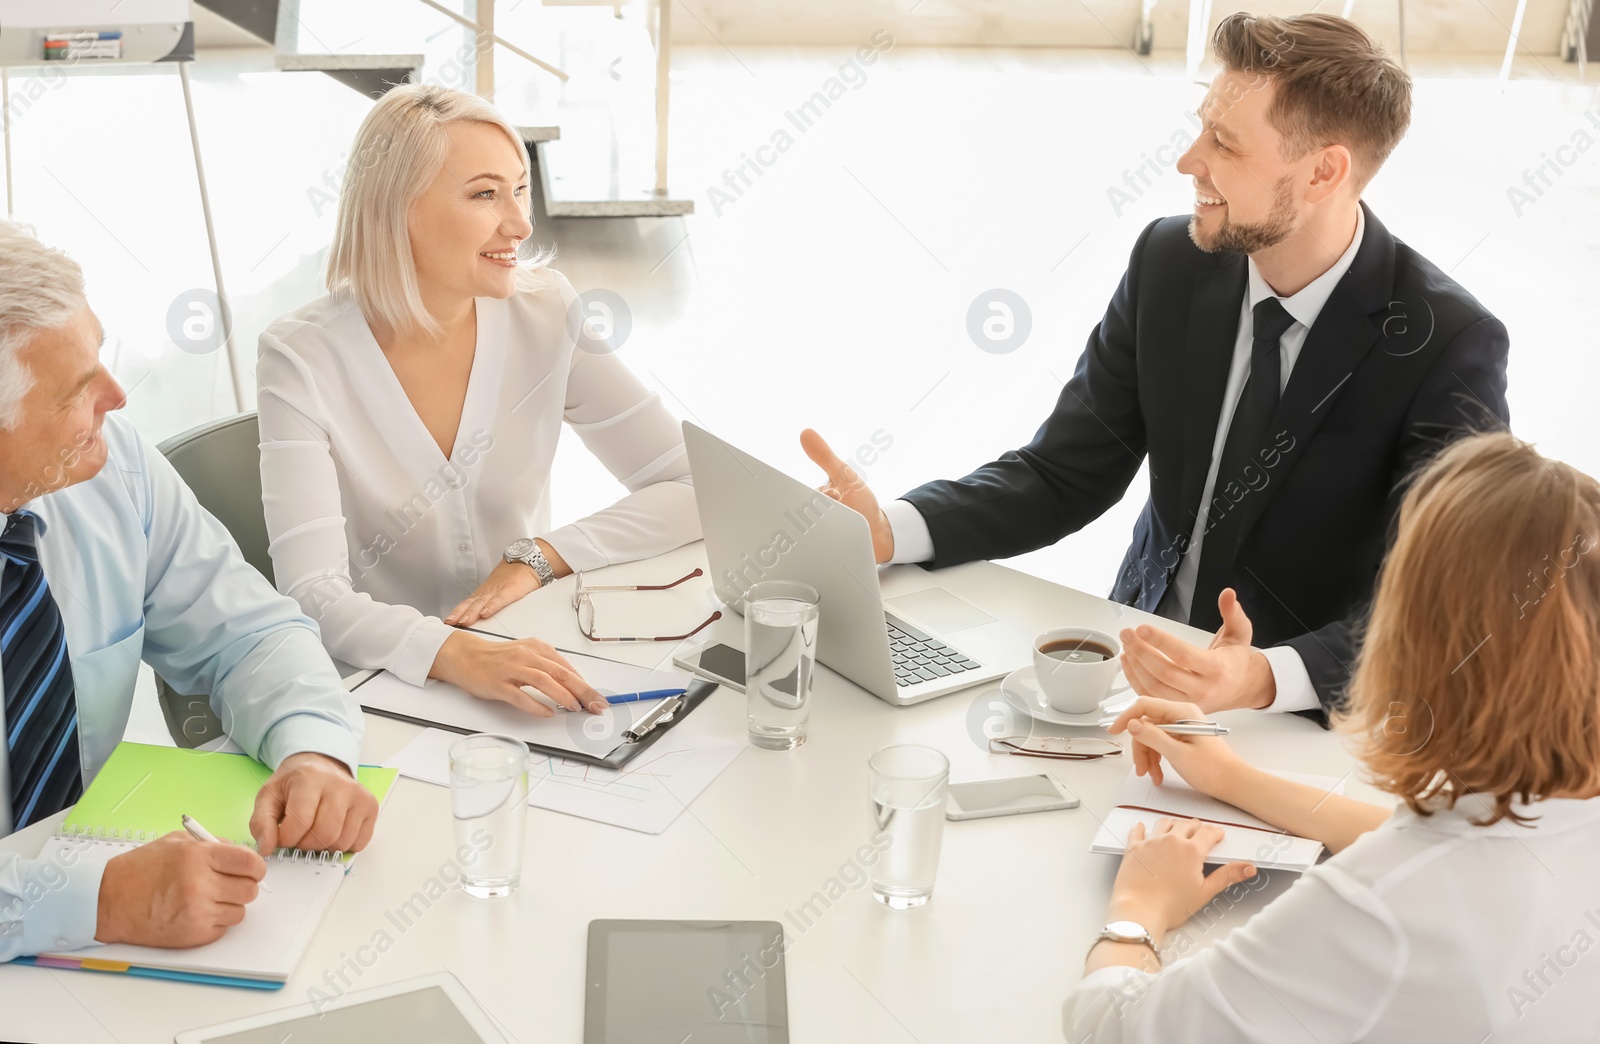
1480, 668
397, 153
41, 288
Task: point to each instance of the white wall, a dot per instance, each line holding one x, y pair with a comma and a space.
1432, 26
1435, 26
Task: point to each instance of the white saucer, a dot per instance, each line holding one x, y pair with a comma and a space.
1021, 691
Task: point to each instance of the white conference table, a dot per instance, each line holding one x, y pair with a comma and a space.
1017, 901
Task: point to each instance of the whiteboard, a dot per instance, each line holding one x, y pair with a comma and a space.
90, 14
151, 29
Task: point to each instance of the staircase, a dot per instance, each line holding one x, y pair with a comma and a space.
1580, 36
300, 50
591, 136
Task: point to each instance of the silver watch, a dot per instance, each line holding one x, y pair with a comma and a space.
527, 552
1129, 932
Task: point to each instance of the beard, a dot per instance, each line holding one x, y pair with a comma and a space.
1239, 238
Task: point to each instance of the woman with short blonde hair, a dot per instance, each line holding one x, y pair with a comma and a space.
398, 151
1464, 914
409, 418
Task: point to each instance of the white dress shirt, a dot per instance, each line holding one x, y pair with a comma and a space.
140, 571
378, 535
1426, 929
913, 543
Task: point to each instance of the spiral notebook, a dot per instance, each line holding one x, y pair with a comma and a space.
142, 793
1245, 838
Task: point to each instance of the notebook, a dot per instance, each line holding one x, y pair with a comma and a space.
1245, 837
595, 739
141, 794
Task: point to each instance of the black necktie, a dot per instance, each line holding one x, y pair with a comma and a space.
41, 707
1247, 436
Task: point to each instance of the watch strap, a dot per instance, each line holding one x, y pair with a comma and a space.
540, 564
1107, 935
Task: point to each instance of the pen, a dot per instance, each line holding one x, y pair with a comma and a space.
1188, 727
649, 694
621, 697
1194, 728
196, 831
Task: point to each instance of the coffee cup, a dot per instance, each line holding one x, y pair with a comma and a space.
1076, 666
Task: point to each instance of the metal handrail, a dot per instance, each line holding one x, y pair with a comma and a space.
502, 41
1575, 34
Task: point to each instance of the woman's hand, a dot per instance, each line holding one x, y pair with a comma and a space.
1206, 763
1162, 880
505, 583
1210, 766
492, 670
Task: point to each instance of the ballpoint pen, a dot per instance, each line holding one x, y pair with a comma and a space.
1185, 727
621, 697
200, 833
196, 831
1193, 727
649, 694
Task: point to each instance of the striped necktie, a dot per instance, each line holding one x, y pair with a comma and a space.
41, 707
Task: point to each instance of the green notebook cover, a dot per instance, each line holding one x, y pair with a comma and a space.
149, 788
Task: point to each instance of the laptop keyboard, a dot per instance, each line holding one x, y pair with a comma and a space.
919, 657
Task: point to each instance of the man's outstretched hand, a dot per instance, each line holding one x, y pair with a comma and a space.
1230, 674
845, 486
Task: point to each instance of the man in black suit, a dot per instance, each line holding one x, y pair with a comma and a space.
1283, 360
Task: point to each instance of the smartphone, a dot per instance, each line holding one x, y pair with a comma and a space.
721, 663
1007, 797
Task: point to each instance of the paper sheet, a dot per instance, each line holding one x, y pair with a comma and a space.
646, 794
1252, 840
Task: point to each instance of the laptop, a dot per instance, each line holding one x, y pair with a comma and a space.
761, 524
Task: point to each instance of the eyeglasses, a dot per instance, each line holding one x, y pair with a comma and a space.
1058, 747
584, 605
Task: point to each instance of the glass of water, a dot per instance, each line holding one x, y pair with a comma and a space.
489, 803
907, 785
780, 641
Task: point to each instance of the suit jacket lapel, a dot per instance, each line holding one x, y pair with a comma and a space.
1344, 332
1214, 308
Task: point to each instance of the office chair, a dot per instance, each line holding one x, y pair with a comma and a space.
221, 462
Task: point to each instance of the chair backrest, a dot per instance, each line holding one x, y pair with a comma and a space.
221, 462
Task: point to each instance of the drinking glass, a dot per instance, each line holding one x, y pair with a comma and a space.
780, 641
907, 785
489, 803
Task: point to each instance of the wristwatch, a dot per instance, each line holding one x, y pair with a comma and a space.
1128, 932
527, 552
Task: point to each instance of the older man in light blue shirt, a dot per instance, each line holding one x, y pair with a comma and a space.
107, 559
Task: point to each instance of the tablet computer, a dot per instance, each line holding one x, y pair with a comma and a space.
711, 982
435, 1008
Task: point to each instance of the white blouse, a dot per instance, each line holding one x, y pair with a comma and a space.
1429, 928
378, 535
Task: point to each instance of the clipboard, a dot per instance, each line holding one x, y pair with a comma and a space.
605, 754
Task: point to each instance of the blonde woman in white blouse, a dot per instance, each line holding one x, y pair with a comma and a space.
409, 418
